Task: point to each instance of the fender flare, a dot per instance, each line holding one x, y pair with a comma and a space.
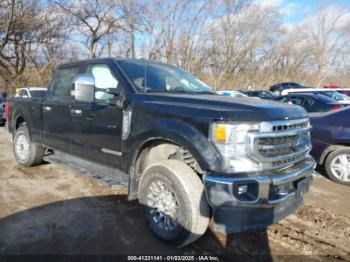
180, 133
18, 115
176, 132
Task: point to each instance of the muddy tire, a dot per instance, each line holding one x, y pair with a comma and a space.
26, 153
174, 201
337, 166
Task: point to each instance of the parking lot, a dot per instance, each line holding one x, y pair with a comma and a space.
52, 210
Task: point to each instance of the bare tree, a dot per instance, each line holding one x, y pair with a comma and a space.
328, 38
27, 26
165, 20
93, 21
134, 14
236, 40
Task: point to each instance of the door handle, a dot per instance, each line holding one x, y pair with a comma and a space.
75, 111
47, 108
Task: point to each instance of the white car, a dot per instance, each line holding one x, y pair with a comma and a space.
231, 93
27, 92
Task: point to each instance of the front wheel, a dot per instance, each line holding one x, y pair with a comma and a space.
174, 200
337, 166
26, 153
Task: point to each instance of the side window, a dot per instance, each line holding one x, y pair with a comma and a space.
171, 82
309, 102
297, 100
62, 81
103, 79
23, 93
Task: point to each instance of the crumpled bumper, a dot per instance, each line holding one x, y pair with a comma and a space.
245, 202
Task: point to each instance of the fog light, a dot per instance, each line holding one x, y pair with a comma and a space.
246, 191
242, 189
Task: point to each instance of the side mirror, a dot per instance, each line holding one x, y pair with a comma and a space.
84, 88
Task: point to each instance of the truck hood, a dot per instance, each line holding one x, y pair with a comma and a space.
223, 107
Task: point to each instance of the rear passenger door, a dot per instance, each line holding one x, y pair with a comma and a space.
97, 127
56, 107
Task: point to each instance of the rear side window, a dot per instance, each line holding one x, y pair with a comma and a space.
22, 93
37, 93
62, 81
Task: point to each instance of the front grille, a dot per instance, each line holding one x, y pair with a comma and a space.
288, 160
281, 143
275, 146
286, 127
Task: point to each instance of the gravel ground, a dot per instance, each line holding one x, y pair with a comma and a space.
52, 210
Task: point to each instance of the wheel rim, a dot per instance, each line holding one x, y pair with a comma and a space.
340, 167
162, 200
22, 147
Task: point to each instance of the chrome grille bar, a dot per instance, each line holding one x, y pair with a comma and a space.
277, 146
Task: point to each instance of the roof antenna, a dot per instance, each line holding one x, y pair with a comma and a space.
145, 78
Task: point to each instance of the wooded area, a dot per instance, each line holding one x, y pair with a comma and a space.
230, 44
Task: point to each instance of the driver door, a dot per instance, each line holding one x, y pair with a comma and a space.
97, 127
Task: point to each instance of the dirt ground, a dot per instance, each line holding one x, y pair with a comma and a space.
52, 210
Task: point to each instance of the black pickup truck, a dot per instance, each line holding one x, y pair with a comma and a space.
186, 153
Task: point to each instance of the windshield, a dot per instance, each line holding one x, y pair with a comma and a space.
153, 77
345, 93
335, 95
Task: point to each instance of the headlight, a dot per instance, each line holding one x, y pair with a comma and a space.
231, 139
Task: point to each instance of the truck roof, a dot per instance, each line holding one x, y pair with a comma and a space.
109, 59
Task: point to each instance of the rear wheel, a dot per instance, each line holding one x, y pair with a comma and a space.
174, 201
26, 153
337, 166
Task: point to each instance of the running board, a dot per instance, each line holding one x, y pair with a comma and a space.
111, 177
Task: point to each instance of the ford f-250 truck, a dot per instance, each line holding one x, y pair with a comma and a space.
186, 153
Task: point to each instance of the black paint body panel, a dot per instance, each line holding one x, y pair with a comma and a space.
181, 118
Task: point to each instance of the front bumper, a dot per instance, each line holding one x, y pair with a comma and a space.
246, 202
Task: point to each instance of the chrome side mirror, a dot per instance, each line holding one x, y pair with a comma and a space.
83, 88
